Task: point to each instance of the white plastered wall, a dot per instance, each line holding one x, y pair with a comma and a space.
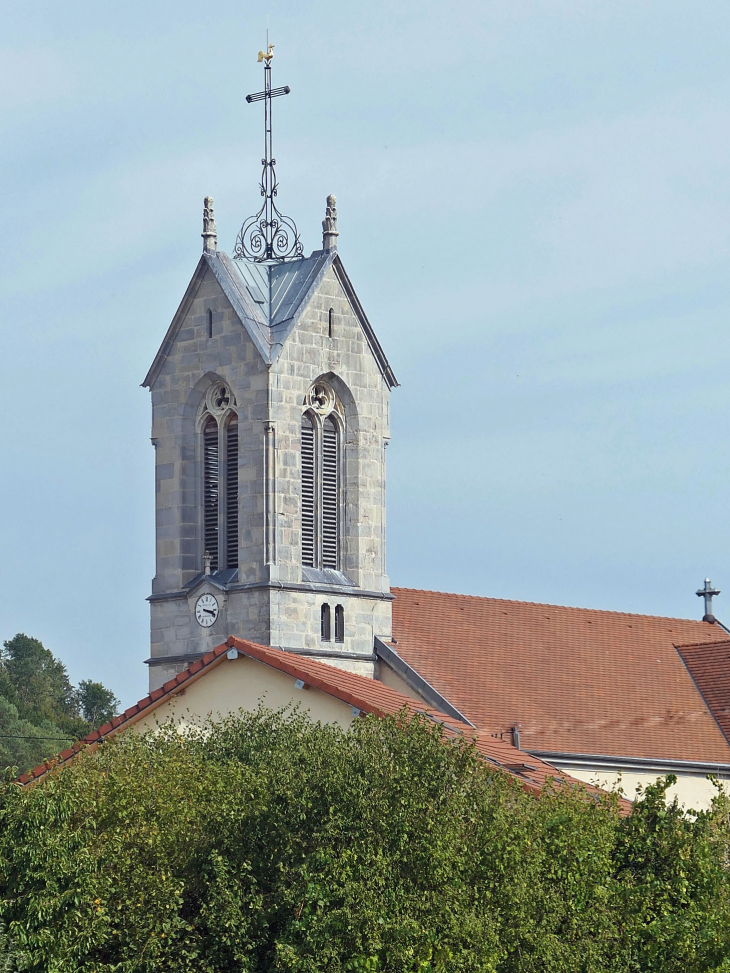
693, 790
245, 683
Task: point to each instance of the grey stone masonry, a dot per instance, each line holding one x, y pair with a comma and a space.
226, 334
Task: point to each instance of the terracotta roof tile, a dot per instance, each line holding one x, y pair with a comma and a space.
576, 680
709, 666
367, 695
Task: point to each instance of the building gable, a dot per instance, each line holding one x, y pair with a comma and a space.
218, 267
269, 301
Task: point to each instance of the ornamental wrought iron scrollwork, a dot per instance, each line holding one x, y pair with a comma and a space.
269, 235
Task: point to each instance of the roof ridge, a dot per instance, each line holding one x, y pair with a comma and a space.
703, 645
539, 604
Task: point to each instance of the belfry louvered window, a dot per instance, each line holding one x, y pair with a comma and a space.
308, 527
220, 479
321, 478
330, 493
211, 470
232, 493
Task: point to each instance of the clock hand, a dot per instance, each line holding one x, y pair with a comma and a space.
209, 611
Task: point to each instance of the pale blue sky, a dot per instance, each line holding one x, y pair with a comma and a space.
534, 206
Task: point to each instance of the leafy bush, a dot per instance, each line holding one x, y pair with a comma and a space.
267, 842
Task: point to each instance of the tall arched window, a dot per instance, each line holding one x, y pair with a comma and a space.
330, 493
211, 471
220, 479
308, 529
321, 478
232, 493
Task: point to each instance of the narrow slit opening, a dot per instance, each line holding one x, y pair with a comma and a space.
325, 623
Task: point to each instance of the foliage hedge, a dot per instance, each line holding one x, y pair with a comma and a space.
268, 843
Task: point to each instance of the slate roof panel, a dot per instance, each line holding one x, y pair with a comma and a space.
291, 282
251, 313
268, 299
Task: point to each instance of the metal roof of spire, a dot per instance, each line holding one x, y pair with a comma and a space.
269, 236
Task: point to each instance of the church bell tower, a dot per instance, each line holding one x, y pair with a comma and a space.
270, 397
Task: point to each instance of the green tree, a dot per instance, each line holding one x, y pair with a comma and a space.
40, 711
24, 744
10, 959
268, 843
40, 685
672, 868
98, 704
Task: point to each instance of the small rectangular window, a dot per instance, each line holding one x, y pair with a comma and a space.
325, 623
339, 623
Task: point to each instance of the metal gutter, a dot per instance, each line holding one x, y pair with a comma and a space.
592, 761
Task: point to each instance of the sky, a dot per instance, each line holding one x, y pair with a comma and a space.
534, 207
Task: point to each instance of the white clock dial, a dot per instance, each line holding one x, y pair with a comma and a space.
206, 610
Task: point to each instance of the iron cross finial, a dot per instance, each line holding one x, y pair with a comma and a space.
268, 236
708, 593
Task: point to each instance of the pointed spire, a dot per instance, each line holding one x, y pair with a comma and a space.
210, 233
329, 225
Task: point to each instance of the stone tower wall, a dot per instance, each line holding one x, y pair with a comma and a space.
346, 362
269, 604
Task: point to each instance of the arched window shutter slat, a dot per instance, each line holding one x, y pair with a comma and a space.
330, 494
232, 493
210, 490
307, 492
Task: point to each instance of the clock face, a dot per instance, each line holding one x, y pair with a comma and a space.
206, 610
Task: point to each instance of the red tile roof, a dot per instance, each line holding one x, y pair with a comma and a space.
709, 666
367, 695
576, 680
